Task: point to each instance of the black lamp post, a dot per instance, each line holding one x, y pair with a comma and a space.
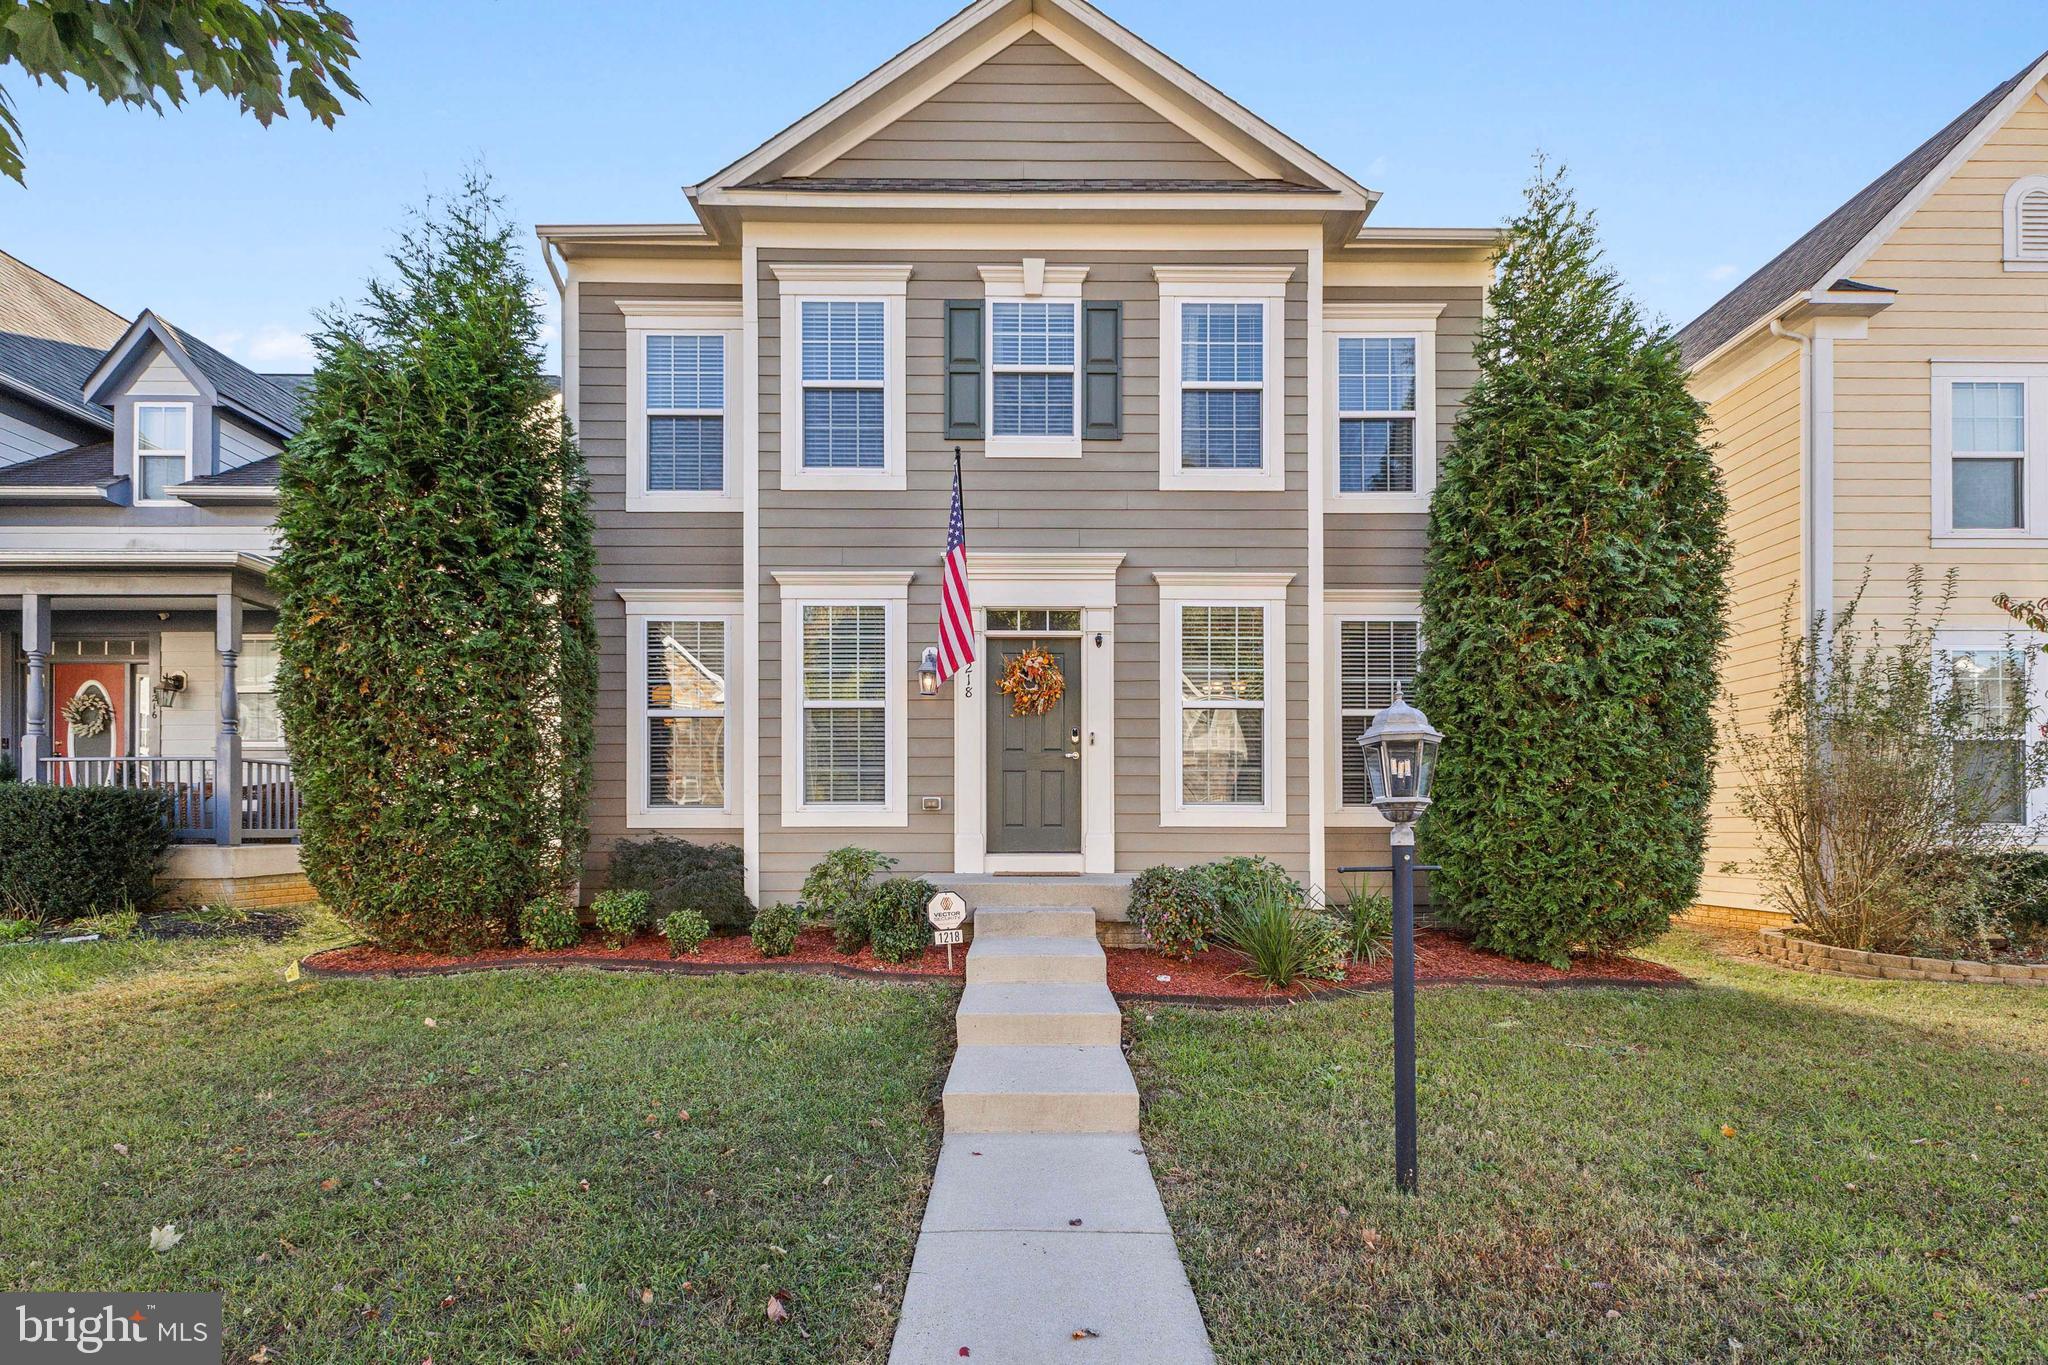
1400, 766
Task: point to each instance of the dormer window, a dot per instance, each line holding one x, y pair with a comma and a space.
2026, 224
163, 450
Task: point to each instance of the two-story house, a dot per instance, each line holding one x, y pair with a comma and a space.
1199, 401
1879, 392
138, 483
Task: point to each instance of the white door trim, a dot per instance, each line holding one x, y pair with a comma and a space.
1063, 582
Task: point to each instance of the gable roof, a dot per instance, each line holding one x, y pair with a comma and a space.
231, 383
987, 27
51, 338
1840, 242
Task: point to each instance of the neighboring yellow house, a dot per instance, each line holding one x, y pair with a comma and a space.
1879, 392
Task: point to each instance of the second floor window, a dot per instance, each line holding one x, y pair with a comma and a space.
1376, 414
1989, 455
685, 413
844, 380
1033, 356
1222, 385
163, 449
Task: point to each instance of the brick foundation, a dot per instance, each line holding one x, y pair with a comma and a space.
1732, 917
244, 893
1775, 945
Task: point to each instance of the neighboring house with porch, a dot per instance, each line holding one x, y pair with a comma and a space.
1879, 392
1200, 402
138, 486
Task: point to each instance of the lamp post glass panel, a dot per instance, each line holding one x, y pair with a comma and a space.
1400, 768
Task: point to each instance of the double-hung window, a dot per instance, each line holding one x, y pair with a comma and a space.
1989, 432
843, 748
1221, 353
163, 449
683, 398
1376, 649
1992, 673
256, 692
682, 675
1382, 382
1223, 693
842, 355
1033, 357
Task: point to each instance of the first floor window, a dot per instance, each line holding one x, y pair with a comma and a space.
1223, 705
1222, 385
686, 713
845, 700
163, 449
1375, 662
256, 691
1992, 771
1376, 411
844, 357
685, 412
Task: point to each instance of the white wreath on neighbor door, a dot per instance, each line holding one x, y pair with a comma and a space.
88, 713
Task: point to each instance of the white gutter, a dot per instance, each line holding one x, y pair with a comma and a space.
74, 492
1816, 470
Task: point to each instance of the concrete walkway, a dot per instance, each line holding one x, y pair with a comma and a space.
1044, 1239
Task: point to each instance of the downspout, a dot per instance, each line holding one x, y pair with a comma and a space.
1811, 471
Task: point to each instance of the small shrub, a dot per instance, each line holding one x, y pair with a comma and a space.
679, 875
15, 930
1284, 941
71, 851
1240, 884
685, 931
1369, 922
895, 915
1175, 909
775, 929
837, 890
619, 915
548, 923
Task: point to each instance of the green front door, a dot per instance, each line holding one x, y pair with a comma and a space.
1034, 762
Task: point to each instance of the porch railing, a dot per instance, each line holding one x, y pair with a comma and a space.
269, 798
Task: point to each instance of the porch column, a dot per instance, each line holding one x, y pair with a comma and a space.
227, 745
35, 642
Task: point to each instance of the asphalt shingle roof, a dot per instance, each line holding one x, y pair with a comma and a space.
73, 468
242, 387
51, 337
255, 474
1799, 266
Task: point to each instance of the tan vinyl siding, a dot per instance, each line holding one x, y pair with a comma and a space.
1956, 301
1108, 500
693, 550
1031, 111
1757, 430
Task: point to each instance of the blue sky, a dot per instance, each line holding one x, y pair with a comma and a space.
1707, 135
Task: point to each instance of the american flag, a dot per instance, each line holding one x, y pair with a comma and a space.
956, 612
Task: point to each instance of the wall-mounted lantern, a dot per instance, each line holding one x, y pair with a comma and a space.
928, 672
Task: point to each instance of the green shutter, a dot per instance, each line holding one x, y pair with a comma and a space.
1102, 363
963, 370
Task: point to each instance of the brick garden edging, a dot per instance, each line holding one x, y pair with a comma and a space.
1782, 948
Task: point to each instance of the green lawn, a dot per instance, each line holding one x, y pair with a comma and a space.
1884, 1194
509, 1183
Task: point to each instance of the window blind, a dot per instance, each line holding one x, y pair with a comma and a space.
845, 688
1374, 659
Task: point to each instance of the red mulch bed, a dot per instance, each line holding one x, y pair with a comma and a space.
1441, 959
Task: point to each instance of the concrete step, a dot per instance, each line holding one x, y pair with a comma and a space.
1001, 961
1038, 1013
1036, 921
1107, 894
1040, 1090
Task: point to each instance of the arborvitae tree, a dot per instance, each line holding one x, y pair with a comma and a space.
439, 658
1572, 610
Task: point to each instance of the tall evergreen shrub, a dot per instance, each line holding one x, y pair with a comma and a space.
439, 659
1572, 607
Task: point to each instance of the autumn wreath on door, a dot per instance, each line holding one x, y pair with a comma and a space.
88, 713
1033, 683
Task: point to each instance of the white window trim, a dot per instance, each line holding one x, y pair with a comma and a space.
833, 283
2027, 645
890, 591
1032, 282
1266, 590
2015, 258
1416, 322
677, 317
2034, 478
1341, 606
1261, 284
135, 450
642, 606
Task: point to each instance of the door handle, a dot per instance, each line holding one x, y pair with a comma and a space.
1073, 753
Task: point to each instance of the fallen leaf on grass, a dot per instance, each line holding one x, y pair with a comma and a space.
165, 1237
121, 1148
683, 1115
778, 1310
447, 1300
646, 1296
429, 1023
330, 1183
1727, 1130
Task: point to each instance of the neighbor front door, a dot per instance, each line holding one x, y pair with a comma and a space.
1034, 762
110, 681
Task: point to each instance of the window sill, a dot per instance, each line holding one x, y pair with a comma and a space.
682, 502
879, 481
1032, 448
1235, 481
1380, 502
1223, 817
1989, 540
683, 819
844, 817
